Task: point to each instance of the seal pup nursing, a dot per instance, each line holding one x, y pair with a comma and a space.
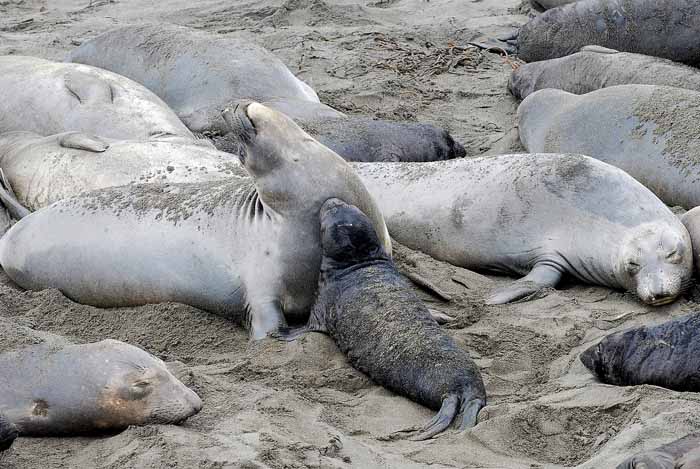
384, 329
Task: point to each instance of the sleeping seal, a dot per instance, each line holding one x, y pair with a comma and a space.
539, 215
385, 330
198, 74
48, 98
244, 247
663, 355
683, 453
595, 67
648, 131
104, 386
8, 433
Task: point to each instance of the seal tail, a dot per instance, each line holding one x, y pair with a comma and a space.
9, 200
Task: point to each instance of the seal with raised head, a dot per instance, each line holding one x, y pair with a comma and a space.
664, 355
198, 74
48, 98
104, 386
544, 216
245, 247
386, 331
683, 453
648, 131
595, 67
8, 433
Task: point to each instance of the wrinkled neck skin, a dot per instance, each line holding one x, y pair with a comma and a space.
13, 141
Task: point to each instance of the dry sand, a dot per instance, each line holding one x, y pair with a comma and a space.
296, 405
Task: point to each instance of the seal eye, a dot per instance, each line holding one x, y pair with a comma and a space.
632, 267
140, 389
674, 257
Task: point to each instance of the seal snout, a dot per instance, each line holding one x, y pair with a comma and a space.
239, 121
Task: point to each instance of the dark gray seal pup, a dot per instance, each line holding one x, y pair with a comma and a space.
541, 216
595, 67
104, 386
663, 355
661, 28
648, 131
246, 247
49, 98
683, 453
8, 433
384, 329
198, 74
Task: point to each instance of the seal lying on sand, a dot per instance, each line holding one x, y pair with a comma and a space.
663, 355
48, 98
8, 433
107, 385
649, 131
542, 216
43, 170
680, 454
662, 28
247, 248
198, 74
384, 328
596, 67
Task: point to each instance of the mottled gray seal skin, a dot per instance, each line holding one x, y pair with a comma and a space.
544, 216
104, 386
385, 330
246, 247
199, 74
8, 433
48, 98
43, 170
648, 131
683, 453
663, 355
661, 28
596, 67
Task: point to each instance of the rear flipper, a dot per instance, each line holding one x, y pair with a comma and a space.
461, 411
507, 44
541, 276
9, 200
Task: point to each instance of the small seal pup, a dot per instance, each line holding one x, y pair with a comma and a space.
648, 131
48, 98
244, 247
595, 67
8, 433
683, 453
384, 329
103, 386
543, 216
663, 355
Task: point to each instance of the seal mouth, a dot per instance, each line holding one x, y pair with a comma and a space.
241, 125
661, 301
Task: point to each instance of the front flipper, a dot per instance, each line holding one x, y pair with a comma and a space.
80, 141
541, 276
507, 44
440, 317
88, 88
9, 199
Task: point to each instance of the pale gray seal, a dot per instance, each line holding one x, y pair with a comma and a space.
595, 67
198, 74
683, 453
649, 131
104, 386
247, 248
48, 98
384, 328
539, 215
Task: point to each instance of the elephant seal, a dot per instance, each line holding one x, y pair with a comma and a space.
595, 67
43, 170
663, 355
648, 131
104, 386
386, 331
539, 215
661, 28
683, 453
8, 433
48, 98
245, 247
198, 74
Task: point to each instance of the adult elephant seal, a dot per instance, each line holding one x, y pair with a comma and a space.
663, 355
199, 74
8, 433
247, 248
683, 453
384, 328
48, 98
104, 386
595, 67
43, 170
648, 131
539, 215
662, 28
